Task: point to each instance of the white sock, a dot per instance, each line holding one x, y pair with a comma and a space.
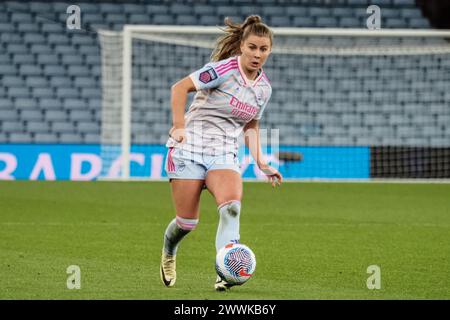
228, 229
175, 232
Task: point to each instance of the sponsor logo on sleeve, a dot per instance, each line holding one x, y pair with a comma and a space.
207, 76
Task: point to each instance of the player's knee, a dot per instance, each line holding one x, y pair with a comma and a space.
186, 224
232, 207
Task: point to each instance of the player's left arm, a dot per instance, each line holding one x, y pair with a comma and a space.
253, 143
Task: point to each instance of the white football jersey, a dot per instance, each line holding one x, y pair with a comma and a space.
225, 101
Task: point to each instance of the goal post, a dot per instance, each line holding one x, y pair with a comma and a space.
382, 89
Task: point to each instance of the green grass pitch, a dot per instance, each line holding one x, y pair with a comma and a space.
311, 240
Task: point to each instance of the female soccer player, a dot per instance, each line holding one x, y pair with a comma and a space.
232, 92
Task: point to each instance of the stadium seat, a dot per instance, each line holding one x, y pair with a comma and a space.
25, 103
31, 115
12, 81
73, 103
42, 92
67, 92
33, 126
202, 9
8, 115
63, 127
47, 137
20, 137
80, 115
88, 127
49, 103
186, 20
54, 70
12, 126
91, 138
18, 92
70, 138
55, 115
52, 27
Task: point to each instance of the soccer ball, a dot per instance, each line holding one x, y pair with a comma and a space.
235, 263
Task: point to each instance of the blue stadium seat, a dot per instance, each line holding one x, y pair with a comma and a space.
25, 103
132, 8
63, 127
186, 20
48, 58
303, 21
327, 22
6, 27
48, 137
31, 115
42, 92
140, 18
9, 115
94, 104
60, 81
11, 38
23, 58
53, 27
93, 17
80, 115
37, 127
72, 59
404, 3
21, 17
83, 39
73, 103
30, 69
111, 7
246, 10
7, 69
63, 49
16, 48
202, 9
78, 70
70, 138
18, 92
91, 92
85, 82
88, 127
40, 49
49, 103
227, 11
155, 9
419, 23
116, 18
91, 138
164, 19
12, 81
178, 8
87, 7
54, 70
67, 92
58, 38
12, 126
55, 115
25, 27
20, 137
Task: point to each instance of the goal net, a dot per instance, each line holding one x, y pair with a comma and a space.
346, 103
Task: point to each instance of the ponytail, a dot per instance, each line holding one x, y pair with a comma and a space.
229, 44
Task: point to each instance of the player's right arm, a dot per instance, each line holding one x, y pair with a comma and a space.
210, 76
179, 95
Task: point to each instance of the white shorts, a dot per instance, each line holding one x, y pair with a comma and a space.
181, 164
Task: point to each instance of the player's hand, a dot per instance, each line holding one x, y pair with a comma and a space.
178, 134
275, 178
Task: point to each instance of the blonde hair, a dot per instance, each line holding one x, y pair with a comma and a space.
229, 44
